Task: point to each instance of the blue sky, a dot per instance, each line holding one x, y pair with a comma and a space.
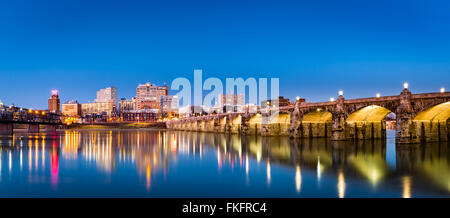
315, 47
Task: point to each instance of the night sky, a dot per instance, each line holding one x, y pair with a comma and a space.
315, 47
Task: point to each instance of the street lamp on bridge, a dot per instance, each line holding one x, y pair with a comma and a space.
405, 85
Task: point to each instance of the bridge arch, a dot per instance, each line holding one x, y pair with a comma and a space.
307, 110
367, 123
316, 123
254, 124
432, 124
278, 124
222, 124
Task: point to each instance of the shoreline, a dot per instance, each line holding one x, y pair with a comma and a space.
108, 126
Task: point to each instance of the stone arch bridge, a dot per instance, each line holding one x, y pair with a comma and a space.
419, 118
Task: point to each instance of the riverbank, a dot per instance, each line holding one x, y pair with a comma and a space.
159, 125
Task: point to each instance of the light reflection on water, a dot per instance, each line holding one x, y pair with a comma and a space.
154, 163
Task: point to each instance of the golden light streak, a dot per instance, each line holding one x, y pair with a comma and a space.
148, 177
268, 173
319, 168
298, 179
246, 164
341, 185
406, 186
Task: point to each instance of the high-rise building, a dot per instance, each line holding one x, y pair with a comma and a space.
105, 103
148, 96
107, 95
127, 104
54, 103
71, 109
169, 105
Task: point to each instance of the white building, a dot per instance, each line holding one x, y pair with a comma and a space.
107, 95
169, 103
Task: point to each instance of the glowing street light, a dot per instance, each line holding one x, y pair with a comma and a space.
378, 95
297, 98
331, 99
442, 90
405, 85
341, 92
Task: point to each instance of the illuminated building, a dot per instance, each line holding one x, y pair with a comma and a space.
105, 103
144, 115
229, 102
127, 104
169, 105
54, 103
97, 108
71, 108
281, 101
148, 96
107, 95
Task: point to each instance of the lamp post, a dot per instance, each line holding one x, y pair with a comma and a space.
405, 85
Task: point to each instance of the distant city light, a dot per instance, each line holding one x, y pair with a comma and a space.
378, 95
341, 92
331, 99
405, 85
442, 90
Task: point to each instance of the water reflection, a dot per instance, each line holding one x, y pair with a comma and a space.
162, 161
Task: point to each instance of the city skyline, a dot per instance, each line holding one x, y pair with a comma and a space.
315, 48
199, 103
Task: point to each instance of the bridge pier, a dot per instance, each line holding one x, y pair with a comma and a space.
33, 128
209, 125
216, 124
201, 125
222, 124
235, 124
194, 125
338, 121
245, 124
295, 128
6, 128
404, 124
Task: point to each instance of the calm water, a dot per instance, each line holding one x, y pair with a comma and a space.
186, 164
